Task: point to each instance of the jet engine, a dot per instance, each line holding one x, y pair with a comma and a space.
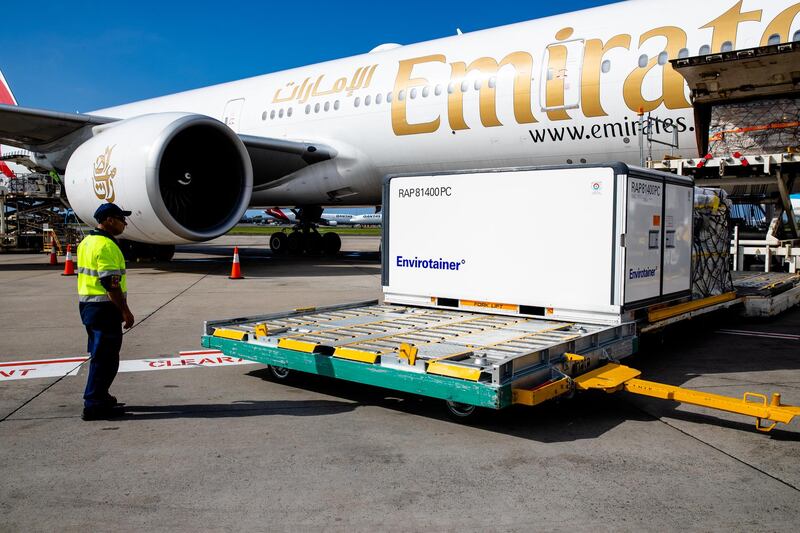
185, 177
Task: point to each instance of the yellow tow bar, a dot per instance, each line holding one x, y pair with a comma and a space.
615, 377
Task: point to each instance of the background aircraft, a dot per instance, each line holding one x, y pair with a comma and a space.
8, 167
288, 216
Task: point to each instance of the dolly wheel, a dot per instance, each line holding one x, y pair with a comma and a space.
279, 372
461, 412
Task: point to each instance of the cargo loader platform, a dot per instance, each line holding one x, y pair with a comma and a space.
468, 359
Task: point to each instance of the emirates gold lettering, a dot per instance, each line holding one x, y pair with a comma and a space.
593, 54
104, 175
672, 83
726, 26
560, 92
781, 25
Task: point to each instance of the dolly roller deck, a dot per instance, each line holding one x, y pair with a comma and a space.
459, 356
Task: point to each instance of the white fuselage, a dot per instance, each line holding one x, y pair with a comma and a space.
561, 89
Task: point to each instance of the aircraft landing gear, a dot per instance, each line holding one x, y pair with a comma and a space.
304, 238
278, 243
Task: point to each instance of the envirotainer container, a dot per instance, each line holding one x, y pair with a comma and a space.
580, 242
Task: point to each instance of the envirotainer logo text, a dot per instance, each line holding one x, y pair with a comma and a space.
430, 264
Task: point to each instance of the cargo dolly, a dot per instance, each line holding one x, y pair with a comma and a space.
468, 359
482, 319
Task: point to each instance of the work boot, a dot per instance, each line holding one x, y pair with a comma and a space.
111, 401
102, 413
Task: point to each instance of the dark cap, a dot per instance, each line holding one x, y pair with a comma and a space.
109, 210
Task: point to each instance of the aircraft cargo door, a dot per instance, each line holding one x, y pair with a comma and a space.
560, 86
233, 114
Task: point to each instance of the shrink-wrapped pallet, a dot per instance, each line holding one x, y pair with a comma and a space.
753, 128
711, 271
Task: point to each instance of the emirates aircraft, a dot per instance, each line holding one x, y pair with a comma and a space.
556, 90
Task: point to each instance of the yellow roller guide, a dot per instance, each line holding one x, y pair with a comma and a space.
675, 310
453, 371
298, 346
355, 355
233, 334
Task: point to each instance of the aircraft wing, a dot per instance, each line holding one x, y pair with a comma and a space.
39, 130
31, 129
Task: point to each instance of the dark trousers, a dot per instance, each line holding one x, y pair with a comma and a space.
103, 323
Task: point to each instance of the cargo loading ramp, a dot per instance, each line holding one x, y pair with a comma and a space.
747, 119
761, 73
768, 75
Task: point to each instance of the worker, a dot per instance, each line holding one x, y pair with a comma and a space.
102, 293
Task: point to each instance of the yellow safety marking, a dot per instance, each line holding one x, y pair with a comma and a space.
489, 305
542, 393
609, 378
298, 346
675, 310
355, 355
453, 371
304, 309
408, 352
573, 357
233, 334
261, 330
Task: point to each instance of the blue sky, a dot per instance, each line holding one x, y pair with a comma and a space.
79, 56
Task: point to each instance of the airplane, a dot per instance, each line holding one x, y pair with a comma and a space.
287, 216
369, 219
564, 89
8, 154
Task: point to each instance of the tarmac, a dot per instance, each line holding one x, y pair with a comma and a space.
222, 447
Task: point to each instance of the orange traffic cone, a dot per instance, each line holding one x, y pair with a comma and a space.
53, 255
69, 265
236, 269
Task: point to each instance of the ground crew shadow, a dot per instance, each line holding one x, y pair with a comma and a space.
239, 409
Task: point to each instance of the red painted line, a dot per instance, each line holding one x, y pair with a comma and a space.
47, 362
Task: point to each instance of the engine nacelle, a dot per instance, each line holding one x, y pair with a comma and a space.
185, 177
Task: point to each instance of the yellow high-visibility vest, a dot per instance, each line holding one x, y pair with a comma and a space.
99, 257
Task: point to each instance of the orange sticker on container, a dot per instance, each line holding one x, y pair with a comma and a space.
656, 220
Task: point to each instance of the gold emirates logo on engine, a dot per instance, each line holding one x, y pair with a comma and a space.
104, 176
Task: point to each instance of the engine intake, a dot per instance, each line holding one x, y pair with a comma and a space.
185, 177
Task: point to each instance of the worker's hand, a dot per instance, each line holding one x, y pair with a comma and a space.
127, 318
